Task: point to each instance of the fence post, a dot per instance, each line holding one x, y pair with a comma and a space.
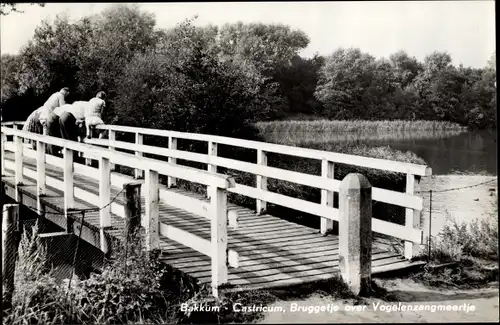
355, 232
132, 209
172, 144
218, 229
152, 210
261, 181
69, 188
2, 158
212, 151
18, 160
139, 173
41, 180
112, 143
10, 244
104, 199
327, 171
412, 216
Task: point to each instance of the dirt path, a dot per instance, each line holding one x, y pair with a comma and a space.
464, 204
482, 304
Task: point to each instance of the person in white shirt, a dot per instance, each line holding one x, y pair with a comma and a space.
49, 120
93, 115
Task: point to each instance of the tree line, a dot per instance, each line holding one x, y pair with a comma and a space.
220, 80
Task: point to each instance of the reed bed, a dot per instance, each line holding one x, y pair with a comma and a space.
355, 126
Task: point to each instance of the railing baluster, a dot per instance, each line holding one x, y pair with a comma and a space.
327, 171
412, 216
218, 231
104, 199
151, 221
261, 181
41, 181
2, 158
112, 143
139, 173
212, 151
69, 188
172, 144
18, 160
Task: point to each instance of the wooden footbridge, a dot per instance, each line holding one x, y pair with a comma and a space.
205, 236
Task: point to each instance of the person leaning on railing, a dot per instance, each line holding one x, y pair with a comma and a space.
32, 124
49, 120
71, 118
93, 114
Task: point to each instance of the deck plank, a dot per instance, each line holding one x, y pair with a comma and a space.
273, 252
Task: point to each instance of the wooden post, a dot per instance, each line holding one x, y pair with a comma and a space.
69, 188
139, 173
112, 143
355, 232
172, 144
212, 151
152, 210
132, 209
2, 158
218, 231
327, 171
10, 244
261, 181
41, 180
104, 199
412, 216
18, 160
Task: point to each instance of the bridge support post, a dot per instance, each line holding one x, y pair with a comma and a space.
355, 232
69, 187
172, 145
151, 221
261, 181
18, 160
327, 171
218, 231
10, 244
104, 199
132, 209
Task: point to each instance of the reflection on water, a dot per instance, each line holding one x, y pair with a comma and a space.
447, 152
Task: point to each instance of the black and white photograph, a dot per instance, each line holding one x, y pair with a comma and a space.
249, 162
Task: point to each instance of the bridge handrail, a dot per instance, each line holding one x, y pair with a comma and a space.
413, 204
165, 168
348, 159
217, 186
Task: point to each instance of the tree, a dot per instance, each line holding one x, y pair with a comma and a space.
8, 7
184, 85
406, 68
343, 80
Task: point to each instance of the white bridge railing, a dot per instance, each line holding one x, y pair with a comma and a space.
217, 185
413, 204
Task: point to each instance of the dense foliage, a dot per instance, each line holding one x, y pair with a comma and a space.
220, 80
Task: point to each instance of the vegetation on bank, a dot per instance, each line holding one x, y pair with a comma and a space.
464, 254
355, 126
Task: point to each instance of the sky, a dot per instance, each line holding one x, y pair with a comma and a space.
464, 29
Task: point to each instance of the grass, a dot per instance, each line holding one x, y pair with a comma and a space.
355, 126
468, 251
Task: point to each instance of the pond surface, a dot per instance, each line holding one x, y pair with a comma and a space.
446, 152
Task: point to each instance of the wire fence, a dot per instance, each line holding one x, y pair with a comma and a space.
435, 208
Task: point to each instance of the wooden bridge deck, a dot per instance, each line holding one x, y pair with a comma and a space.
272, 252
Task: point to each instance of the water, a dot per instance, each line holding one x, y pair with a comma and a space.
446, 152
